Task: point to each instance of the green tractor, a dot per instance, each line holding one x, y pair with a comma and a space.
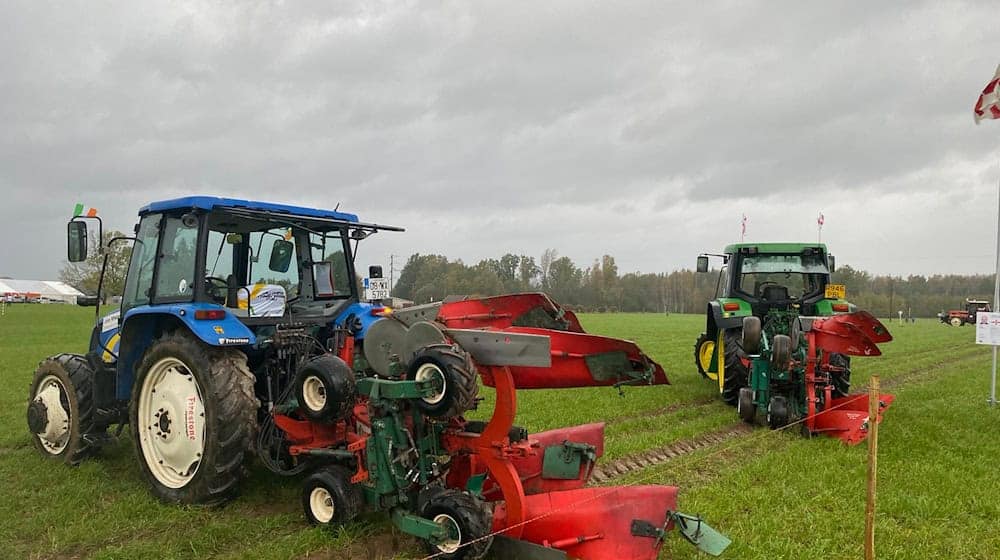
776, 283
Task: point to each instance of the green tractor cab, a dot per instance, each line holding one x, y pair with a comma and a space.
774, 282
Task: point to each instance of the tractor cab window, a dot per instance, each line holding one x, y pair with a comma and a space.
175, 275
139, 281
331, 278
780, 277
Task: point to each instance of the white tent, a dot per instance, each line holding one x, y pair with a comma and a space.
38, 290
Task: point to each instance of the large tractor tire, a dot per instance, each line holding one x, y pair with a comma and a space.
455, 377
467, 518
737, 374
841, 380
956, 322
703, 349
61, 412
193, 416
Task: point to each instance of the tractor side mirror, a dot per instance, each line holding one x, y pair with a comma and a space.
831, 263
76, 241
281, 255
375, 271
702, 263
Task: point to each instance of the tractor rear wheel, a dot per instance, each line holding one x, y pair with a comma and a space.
737, 374
703, 349
841, 380
61, 412
193, 417
467, 520
453, 375
329, 498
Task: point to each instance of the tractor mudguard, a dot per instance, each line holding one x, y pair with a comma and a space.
358, 316
723, 320
141, 325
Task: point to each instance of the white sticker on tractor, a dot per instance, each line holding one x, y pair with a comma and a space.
189, 417
110, 322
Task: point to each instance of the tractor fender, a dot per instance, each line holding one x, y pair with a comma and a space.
722, 320
357, 318
144, 324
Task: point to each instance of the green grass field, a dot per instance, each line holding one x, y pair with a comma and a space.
775, 494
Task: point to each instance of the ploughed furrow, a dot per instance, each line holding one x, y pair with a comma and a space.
652, 457
632, 463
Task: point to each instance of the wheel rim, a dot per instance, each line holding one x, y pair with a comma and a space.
428, 372
321, 504
171, 422
314, 393
52, 393
451, 544
705, 354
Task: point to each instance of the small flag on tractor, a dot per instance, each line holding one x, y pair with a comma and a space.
820, 220
988, 104
78, 211
743, 226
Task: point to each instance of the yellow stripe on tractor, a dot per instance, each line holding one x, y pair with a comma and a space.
721, 359
107, 357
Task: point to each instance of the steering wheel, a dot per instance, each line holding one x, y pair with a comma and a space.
760, 287
214, 284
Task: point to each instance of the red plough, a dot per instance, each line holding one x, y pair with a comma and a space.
853, 334
536, 483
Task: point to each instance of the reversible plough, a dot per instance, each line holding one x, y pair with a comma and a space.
389, 426
795, 363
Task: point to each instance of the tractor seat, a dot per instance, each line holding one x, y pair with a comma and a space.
775, 293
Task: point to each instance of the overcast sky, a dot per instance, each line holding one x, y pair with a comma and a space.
640, 130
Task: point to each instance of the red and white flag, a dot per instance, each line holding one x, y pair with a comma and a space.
988, 104
820, 220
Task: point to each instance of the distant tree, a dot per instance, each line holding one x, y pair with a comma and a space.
84, 276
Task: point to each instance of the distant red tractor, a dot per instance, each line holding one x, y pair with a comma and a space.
959, 317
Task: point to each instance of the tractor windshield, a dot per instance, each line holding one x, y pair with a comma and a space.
780, 277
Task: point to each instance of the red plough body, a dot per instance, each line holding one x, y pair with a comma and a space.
854, 334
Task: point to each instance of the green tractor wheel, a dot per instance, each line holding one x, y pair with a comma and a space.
737, 374
704, 347
842, 379
746, 409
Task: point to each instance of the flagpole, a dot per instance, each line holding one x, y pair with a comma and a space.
996, 298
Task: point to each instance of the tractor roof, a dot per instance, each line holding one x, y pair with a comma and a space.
774, 248
213, 202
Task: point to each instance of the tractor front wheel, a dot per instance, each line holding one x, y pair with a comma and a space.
466, 519
704, 347
61, 409
956, 322
737, 371
193, 417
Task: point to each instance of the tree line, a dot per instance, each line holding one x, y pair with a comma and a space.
600, 287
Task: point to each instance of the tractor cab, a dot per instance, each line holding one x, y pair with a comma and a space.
773, 280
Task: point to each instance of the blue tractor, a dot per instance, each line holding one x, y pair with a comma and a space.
226, 302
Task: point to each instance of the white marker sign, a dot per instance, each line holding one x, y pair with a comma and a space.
988, 328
